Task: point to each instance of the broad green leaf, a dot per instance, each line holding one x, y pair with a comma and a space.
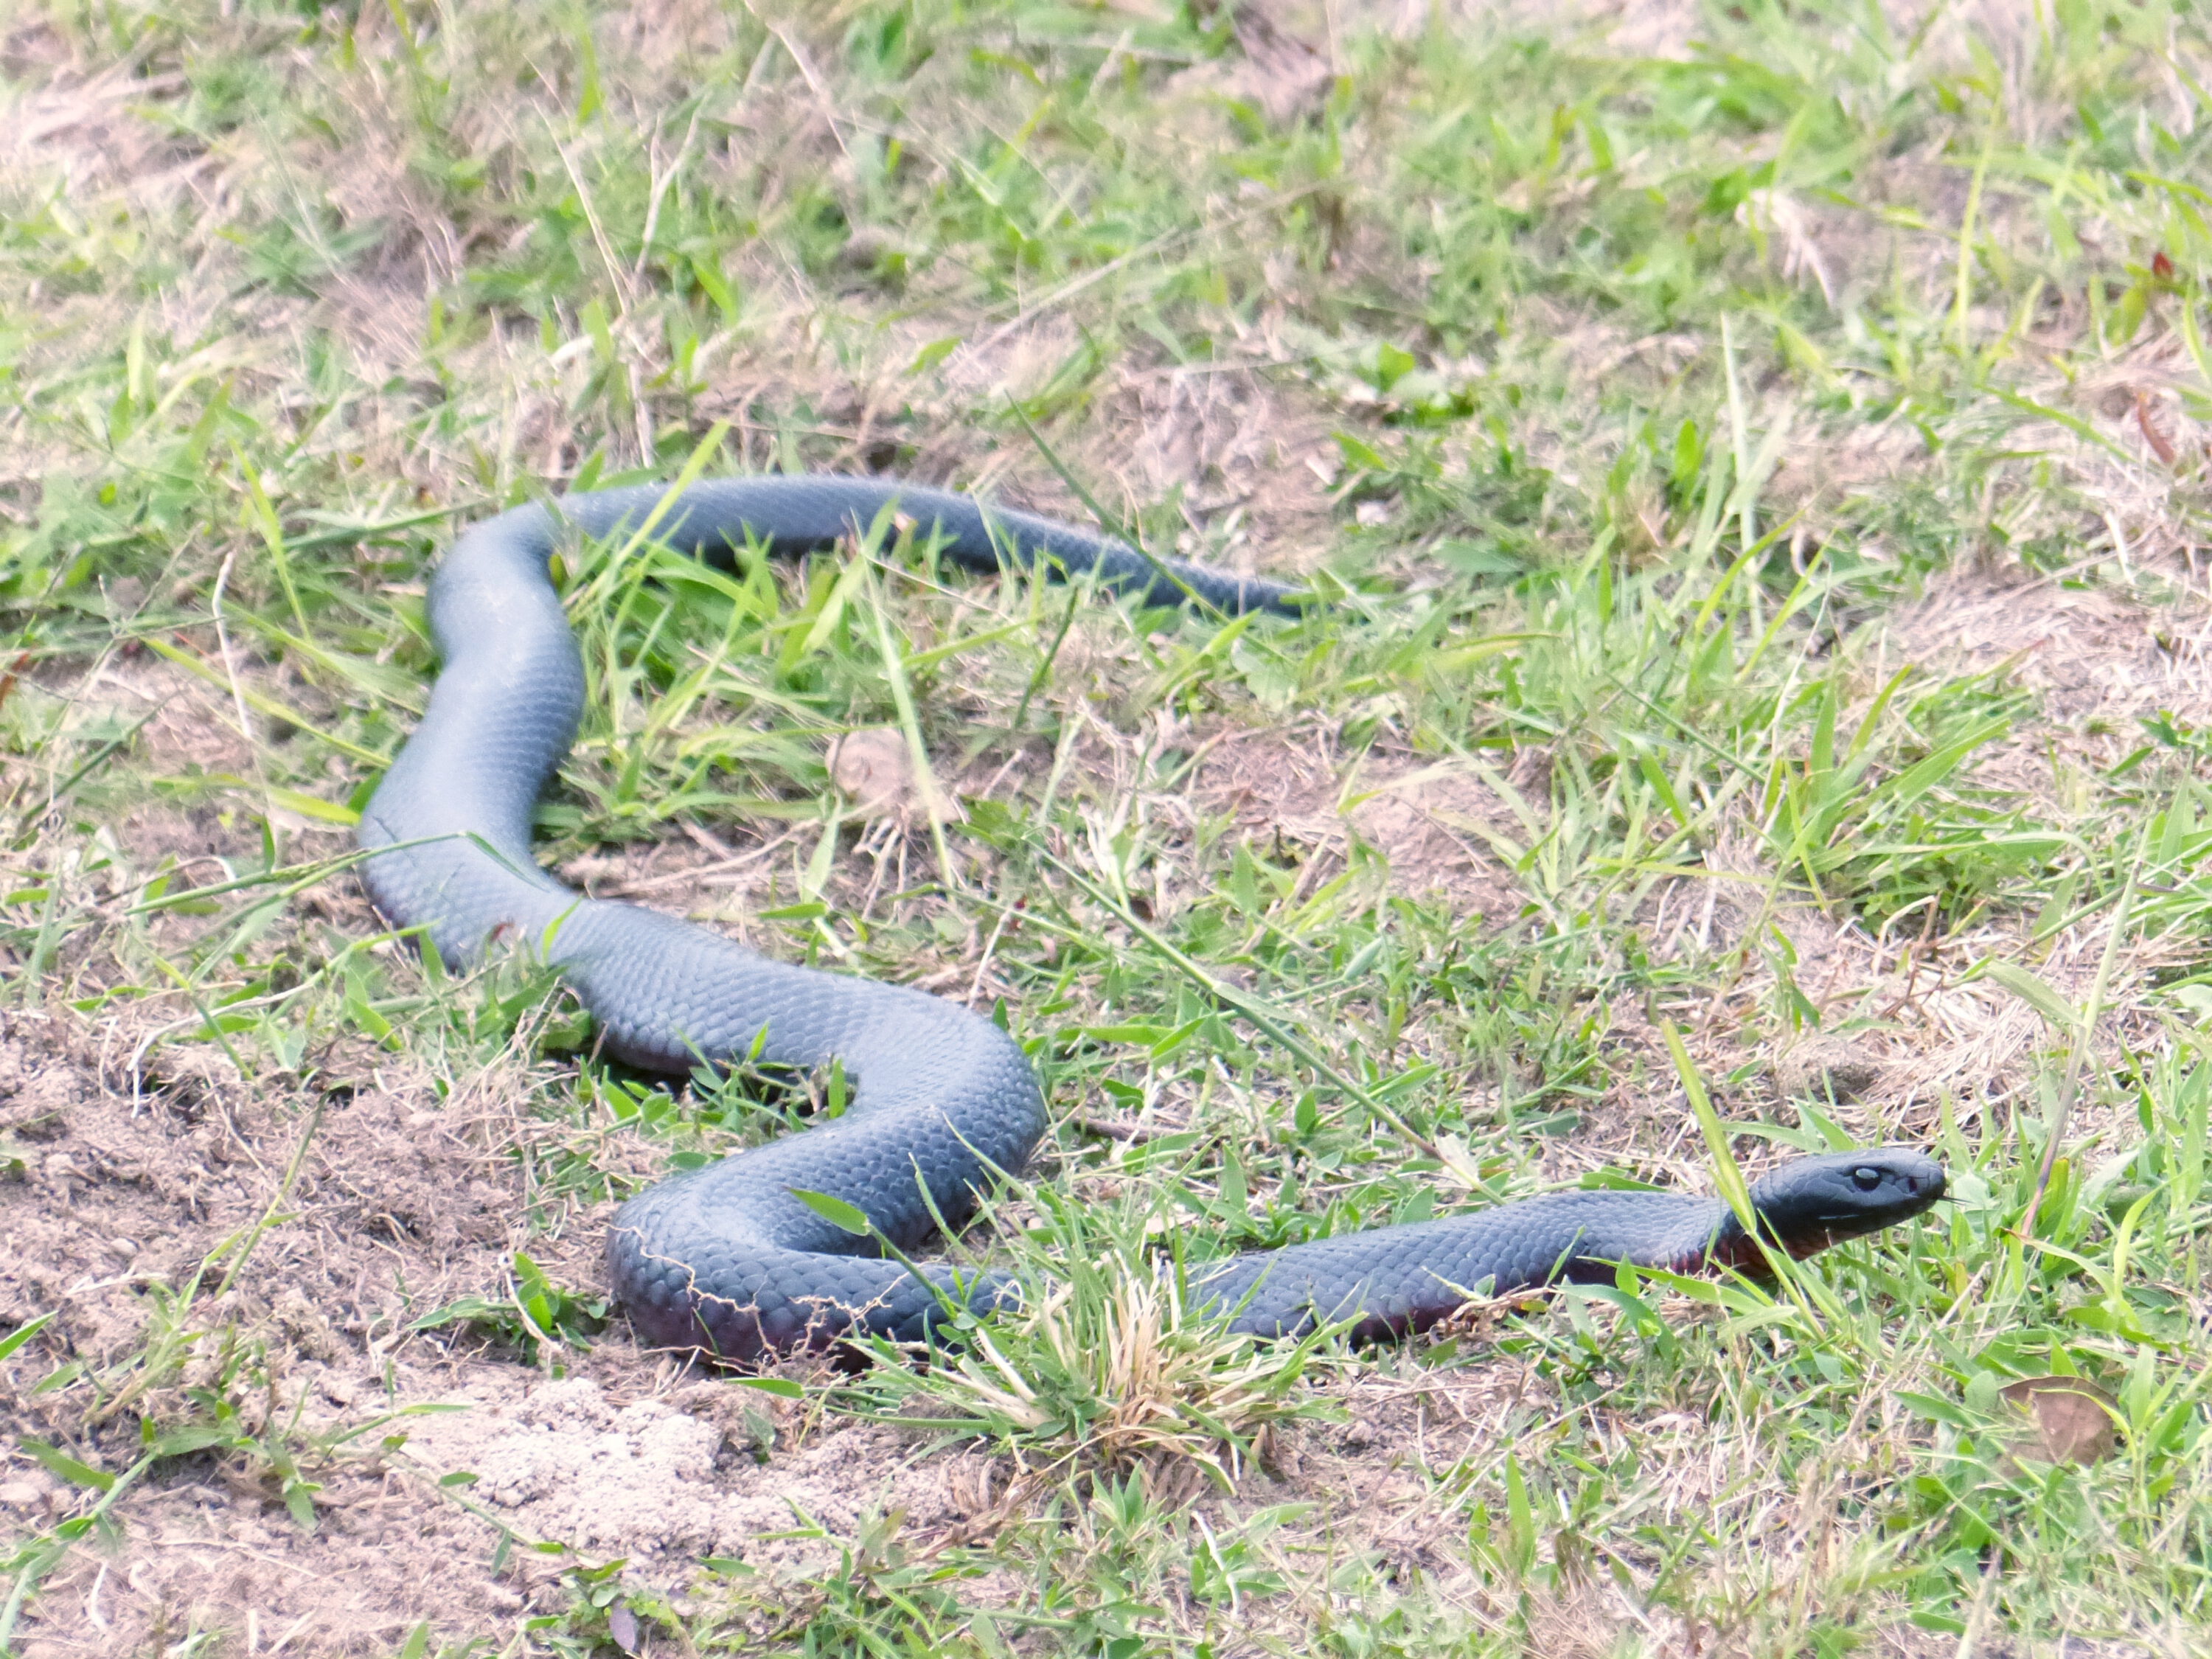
23, 1332
1934, 1408
197, 1436
781, 1387
1726, 1176
2036, 994
61, 1463
834, 1211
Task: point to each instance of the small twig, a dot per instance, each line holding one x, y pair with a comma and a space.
2160, 444
731, 861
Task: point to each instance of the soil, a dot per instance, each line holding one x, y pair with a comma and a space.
1441, 828
441, 1460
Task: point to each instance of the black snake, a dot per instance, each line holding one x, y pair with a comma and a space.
727, 1258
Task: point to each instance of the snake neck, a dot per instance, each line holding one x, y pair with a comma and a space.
1733, 1247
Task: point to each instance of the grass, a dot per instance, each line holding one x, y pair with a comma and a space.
1759, 479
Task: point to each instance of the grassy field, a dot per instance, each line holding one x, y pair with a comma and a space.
1756, 460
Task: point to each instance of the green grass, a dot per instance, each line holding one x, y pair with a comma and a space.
1625, 406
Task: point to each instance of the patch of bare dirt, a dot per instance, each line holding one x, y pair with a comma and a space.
703, 1470
199, 1556
182, 722
1437, 824
82, 129
2095, 655
126, 1169
1250, 458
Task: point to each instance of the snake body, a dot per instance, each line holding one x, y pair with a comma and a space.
729, 1258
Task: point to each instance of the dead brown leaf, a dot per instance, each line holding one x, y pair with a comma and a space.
2062, 1420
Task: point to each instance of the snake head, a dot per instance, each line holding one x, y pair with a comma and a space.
1814, 1202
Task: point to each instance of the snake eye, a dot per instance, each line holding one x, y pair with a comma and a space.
1866, 1177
